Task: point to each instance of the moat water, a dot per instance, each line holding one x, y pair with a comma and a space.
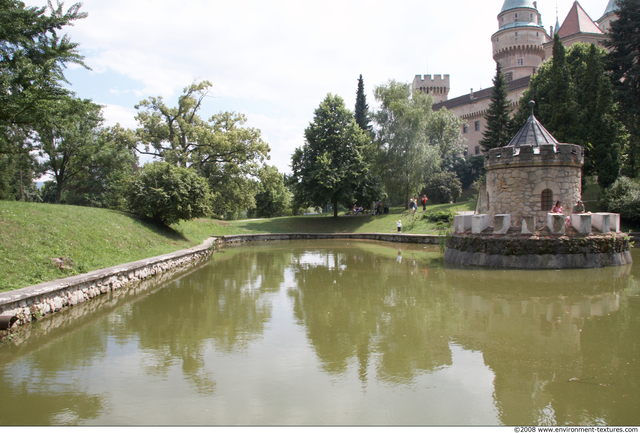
340, 333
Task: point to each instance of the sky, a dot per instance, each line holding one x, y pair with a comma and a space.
276, 60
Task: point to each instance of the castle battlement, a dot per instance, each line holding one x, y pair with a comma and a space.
437, 86
561, 154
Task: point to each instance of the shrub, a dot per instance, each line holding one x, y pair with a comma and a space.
623, 197
443, 187
439, 216
167, 194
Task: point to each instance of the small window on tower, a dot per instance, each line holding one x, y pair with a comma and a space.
520, 62
465, 129
477, 125
546, 200
477, 150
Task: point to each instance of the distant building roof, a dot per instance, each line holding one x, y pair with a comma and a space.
532, 133
612, 6
577, 21
514, 4
482, 94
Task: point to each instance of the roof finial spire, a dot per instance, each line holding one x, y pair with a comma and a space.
532, 104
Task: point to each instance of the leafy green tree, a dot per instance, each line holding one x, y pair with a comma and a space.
624, 66
330, 166
273, 197
103, 182
444, 134
67, 139
497, 133
220, 149
362, 108
468, 169
623, 197
17, 173
406, 158
443, 187
167, 194
32, 60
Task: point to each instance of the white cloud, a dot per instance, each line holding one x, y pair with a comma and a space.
275, 60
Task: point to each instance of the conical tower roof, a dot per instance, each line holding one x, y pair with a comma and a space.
532, 133
515, 4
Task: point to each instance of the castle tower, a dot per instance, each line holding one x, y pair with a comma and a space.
517, 45
438, 86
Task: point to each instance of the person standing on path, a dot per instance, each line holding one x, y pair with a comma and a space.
424, 203
399, 224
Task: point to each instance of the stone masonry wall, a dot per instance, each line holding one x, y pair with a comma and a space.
518, 190
516, 179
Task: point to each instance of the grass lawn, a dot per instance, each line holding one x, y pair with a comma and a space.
31, 234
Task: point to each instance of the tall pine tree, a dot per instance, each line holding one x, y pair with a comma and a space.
362, 109
498, 115
624, 65
562, 97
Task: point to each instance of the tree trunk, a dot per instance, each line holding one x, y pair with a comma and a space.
335, 208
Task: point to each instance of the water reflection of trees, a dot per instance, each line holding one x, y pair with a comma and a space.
220, 307
42, 389
358, 303
537, 330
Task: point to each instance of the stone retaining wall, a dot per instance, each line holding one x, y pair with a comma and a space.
43, 299
541, 253
386, 237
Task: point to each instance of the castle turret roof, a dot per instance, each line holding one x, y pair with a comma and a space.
532, 133
611, 7
577, 21
514, 4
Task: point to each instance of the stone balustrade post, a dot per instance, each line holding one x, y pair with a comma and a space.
581, 222
602, 221
556, 223
501, 223
479, 223
528, 225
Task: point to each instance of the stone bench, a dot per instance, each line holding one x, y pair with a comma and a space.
479, 223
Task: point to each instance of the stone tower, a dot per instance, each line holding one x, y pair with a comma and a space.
518, 44
438, 86
526, 177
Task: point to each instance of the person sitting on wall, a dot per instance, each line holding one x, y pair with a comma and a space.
578, 208
557, 208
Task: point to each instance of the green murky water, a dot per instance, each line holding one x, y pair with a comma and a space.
339, 333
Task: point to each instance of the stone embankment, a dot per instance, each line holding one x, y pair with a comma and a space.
43, 299
385, 237
538, 251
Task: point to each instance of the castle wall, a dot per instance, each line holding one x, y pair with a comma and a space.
515, 182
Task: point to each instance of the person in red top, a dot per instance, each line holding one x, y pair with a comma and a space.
424, 203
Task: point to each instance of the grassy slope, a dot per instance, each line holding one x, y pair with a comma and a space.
32, 233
